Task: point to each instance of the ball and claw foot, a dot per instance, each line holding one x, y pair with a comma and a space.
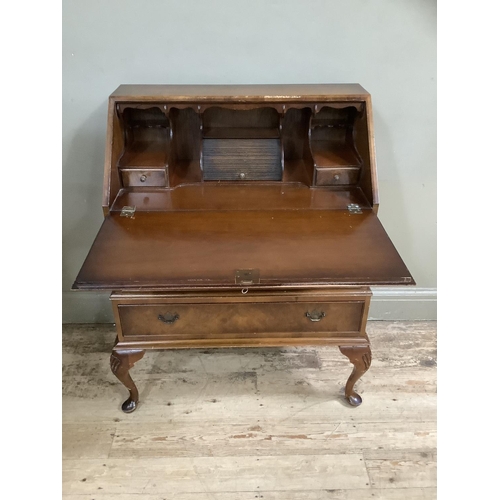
354, 399
361, 358
121, 362
129, 406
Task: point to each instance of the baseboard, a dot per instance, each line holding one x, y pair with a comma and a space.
403, 303
387, 304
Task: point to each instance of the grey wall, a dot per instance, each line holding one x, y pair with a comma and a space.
388, 46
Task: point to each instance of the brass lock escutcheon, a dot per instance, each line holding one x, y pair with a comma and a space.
247, 277
168, 318
315, 315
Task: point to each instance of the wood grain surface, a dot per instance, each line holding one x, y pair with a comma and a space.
240, 93
240, 196
168, 250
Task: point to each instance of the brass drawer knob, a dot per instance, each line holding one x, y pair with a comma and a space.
168, 318
315, 315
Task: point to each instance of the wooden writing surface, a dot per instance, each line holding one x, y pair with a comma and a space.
165, 250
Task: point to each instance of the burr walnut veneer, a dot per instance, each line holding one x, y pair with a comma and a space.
240, 216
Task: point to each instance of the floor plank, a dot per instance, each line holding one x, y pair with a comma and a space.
202, 474
398, 468
361, 494
199, 438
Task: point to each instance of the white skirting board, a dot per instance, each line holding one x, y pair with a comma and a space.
403, 303
396, 303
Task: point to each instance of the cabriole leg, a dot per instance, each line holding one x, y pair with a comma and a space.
361, 358
121, 361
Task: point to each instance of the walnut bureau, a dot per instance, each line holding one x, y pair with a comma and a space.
240, 216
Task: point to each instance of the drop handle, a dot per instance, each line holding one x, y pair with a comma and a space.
168, 318
315, 315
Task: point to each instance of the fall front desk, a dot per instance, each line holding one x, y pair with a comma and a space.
240, 216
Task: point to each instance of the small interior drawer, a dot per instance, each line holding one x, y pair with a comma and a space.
143, 177
337, 176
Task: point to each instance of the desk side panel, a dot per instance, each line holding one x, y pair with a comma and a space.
114, 148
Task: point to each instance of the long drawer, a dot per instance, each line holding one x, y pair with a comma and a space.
246, 318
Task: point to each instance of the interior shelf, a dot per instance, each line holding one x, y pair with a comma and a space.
240, 133
327, 154
142, 154
147, 138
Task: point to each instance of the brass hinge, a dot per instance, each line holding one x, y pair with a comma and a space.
354, 208
127, 212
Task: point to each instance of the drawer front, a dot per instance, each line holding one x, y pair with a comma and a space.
241, 320
337, 176
144, 177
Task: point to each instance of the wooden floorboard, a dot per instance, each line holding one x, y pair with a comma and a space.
240, 424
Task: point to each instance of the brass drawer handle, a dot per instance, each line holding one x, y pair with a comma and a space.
315, 315
169, 318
